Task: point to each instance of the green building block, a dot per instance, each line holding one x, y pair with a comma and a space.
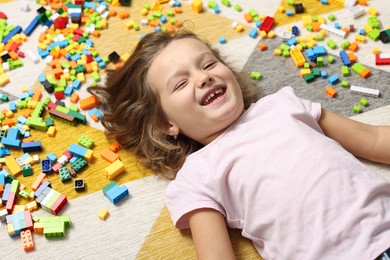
330, 59
363, 102
331, 17
374, 34
226, 3
320, 61
64, 174
78, 164
357, 109
85, 141
344, 84
345, 45
255, 75
238, 8
345, 71
27, 170
331, 44
309, 78
316, 72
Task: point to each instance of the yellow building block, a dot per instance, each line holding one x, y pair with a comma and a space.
114, 169
32, 206
376, 51
103, 214
360, 38
3, 79
271, 34
197, 6
51, 131
13, 165
305, 72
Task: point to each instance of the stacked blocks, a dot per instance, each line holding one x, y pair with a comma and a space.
49, 199
18, 222
114, 192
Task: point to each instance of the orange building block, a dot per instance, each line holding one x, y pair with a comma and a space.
38, 181
330, 91
109, 155
27, 240
262, 47
365, 73
74, 98
115, 146
248, 17
89, 102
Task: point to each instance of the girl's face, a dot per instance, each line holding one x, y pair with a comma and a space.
200, 96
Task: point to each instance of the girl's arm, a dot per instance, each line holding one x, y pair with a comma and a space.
210, 235
362, 140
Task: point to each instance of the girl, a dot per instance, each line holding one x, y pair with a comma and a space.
281, 169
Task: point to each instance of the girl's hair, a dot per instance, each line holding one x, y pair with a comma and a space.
133, 115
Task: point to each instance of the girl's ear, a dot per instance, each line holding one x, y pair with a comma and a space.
172, 129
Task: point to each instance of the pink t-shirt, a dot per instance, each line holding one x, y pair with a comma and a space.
294, 192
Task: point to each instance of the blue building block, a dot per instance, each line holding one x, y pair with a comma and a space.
52, 157
46, 166
41, 188
222, 40
12, 138
31, 27
324, 75
334, 79
295, 30
319, 50
11, 34
292, 41
344, 58
289, 12
4, 152
2, 179
253, 33
7, 190
32, 146
77, 150
114, 192
12, 106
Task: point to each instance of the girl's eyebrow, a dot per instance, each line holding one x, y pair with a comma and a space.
182, 71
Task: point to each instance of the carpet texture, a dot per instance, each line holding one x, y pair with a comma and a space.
140, 227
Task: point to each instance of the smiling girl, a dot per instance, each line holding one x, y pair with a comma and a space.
279, 168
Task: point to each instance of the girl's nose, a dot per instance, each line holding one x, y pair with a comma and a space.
207, 80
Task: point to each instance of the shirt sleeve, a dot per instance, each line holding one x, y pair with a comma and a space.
187, 193
313, 108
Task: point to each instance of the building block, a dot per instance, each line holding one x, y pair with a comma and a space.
109, 155
114, 169
364, 91
79, 185
330, 91
114, 192
103, 214
13, 166
27, 240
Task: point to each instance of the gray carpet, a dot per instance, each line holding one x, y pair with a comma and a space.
272, 80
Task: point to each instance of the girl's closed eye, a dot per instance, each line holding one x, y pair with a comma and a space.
210, 65
180, 84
